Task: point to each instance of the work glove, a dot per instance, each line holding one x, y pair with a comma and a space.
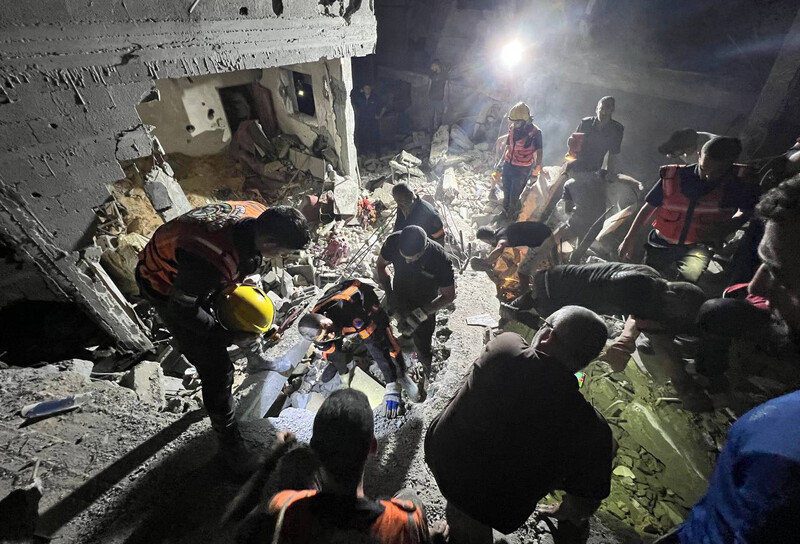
392, 399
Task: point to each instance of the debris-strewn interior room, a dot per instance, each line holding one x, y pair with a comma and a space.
400, 271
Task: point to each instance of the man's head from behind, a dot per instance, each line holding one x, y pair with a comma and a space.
413, 242
572, 335
404, 197
778, 277
681, 302
281, 230
343, 437
718, 155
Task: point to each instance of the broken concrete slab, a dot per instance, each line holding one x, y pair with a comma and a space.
459, 138
258, 393
165, 193
365, 383
346, 194
147, 380
307, 163
449, 185
671, 438
439, 145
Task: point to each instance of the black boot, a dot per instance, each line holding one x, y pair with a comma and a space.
233, 450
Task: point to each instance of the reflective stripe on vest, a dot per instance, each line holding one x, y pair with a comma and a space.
520, 153
671, 216
367, 331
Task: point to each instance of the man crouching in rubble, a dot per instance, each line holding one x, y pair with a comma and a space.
183, 268
519, 428
660, 307
352, 307
423, 283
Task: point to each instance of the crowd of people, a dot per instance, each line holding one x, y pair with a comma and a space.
500, 445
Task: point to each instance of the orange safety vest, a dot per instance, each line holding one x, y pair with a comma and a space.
347, 294
520, 152
206, 231
671, 217
400, 523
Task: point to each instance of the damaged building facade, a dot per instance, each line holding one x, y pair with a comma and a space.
88, 87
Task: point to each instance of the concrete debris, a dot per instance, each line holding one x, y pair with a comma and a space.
307, 163
405, 167
297, 420
120, 260
439, 145
165, 193
459, 139
77, 365
449, 186
20, 509
624, 472
346, 194
172, 386
258, 393
147, 380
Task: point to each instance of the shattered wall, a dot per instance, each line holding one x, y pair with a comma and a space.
189, 117
332, 82
72, 75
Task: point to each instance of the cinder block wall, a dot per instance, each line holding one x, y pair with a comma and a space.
72, 73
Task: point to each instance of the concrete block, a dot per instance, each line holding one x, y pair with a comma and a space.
147, 380
165, 194
366, 384
449, 186
258, 393
78, 365
307, 163
439, 145
346, 193
133, 144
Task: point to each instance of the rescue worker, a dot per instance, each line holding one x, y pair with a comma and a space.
685, 144
522, 157
412, 210
664, 309
530, 234
338, 511
423, 283
694, 208
352, 307
519, 428
191, 259
594, 179
754, 493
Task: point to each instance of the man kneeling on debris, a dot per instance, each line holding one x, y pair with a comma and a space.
188, 262
519, 429
412, 210
657, 306
530, 234
352, 307
339, 511
423, 283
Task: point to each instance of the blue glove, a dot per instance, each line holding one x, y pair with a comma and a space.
392, 399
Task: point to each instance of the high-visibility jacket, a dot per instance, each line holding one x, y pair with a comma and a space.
520, 152
207, 232
401, 522
362, 301
703, 215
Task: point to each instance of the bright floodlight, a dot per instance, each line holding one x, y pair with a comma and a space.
300, 92
511, 53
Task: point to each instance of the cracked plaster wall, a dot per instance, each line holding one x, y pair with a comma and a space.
72, 74
190, 101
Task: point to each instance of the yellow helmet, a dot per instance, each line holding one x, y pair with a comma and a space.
520, 112
245, 308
